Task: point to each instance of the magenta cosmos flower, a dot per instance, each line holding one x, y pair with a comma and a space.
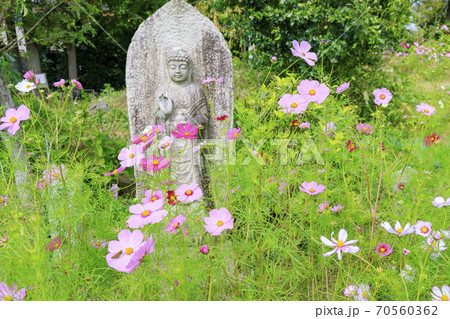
188, 193
131, 156
218, 221
383, 249
143, 250
406, 252
423, 228
336, 208
440, 294
55, 174
61, 82
115, 172
121, 252
187, 131
425, 109
341, 245
77, 84
145, 139
54, 244
382, 96
204, 249
293, 103
153, 196
313, 91
344, 86
399, 230
364, 128
312, 188
13, 118
11, 293
302, 51
154, 163
30, 76
323, 206
148, 213
175, 223
234, 133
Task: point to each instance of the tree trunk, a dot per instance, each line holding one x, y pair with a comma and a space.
72, 61
34, 63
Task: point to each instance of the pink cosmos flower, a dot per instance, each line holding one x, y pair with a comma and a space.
166, 142
274, 59
312, 188
351, 146
3, 200
13, 117
425, 109
304, 125
440, 295
115, 172
53, 244
154, 163
175, 223
144, 249
121, 252
210, 79
399, 230
11, 293
204, 249
55, 174
198, 147
148, 213
436, 244
282, 187
382, 96
61, 82
440, 202
313, 91
146, 139
131, 156
344, 86
218, 221
30, 76
423, 228
293, 103
302, 51
188, 193
234, 133
336, 208
364, 128
77, 84
157, 129
153, 196
187, 131
341, 245
350, 290
406, 252
323, 206
383, 249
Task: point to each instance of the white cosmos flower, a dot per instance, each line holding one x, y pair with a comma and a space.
398, 228
25, 86
438, 295
440, 202
165, 142
438, 245
362, 293
350, 290
340, 245
409, 274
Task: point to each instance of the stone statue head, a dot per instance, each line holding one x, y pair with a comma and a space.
179, 65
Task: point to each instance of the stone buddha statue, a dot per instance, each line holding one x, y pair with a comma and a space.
182, 101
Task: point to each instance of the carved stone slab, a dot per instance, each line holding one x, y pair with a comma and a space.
175, 33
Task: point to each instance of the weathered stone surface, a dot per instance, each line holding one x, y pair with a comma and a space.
179, 36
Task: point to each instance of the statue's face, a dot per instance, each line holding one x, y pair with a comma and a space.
178, 71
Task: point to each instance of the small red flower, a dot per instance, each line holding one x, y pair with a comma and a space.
295, 123
434, 138
172, 198
401, 186
351, 146
222, 118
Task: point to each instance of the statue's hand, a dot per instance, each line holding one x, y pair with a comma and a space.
165, 105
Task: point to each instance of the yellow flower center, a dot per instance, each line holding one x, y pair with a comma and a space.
98, 244
364, 294
155, 162
189, 193
426, 111
175, 225
303, 53
365, 129
154, 198
13, 120
219, 223
312, 92
129, 251
8, 298
172, 197
352, 292
28, 86
444, 298
382, 250
294, 105
55, 174
187, 133
145, 213
167, 144
1, 200
143, 138
424, 230
56, 245
131, 155
340, 243
382, 96
399, 230
312, 190
235, 134
434, 244
157, 130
